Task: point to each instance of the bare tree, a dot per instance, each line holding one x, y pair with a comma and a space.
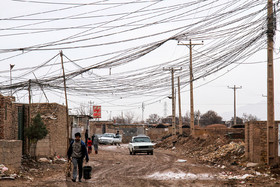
153, 118
83, 109
118, 119
249, 117
187, 119
129, 116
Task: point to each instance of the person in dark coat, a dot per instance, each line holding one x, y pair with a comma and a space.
77, 151
86, 136
95, 143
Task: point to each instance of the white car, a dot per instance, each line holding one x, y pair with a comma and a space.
141, 144
110, 138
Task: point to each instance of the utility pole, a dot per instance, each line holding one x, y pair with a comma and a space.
66, 102
172, 70
234, 90
191, 84
272, 134
29, 112
29, 99
180, 114
11, 67
143, 108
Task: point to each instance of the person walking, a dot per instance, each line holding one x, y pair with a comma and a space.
86, 136
95, 143
77, 151
89, 146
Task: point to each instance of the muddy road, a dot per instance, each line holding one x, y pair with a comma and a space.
113, 166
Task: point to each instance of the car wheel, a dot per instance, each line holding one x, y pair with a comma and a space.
133, 152
130, 152
148, 153
152, 152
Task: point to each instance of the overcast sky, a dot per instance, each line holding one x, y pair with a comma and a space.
136, 39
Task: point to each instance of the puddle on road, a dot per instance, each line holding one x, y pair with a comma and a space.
180, 176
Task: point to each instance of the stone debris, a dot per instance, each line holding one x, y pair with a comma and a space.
4, 175
44, 160
59, 160
181, 160
251, 164
224, 151
3, 169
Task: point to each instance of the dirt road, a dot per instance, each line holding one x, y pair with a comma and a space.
113, 166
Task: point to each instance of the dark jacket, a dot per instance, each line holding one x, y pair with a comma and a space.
84, 150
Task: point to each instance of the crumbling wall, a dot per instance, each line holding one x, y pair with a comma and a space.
8, 129
256, 141
220, 132
54, 117
11, 153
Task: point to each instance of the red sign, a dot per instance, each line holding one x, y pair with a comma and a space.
96, 111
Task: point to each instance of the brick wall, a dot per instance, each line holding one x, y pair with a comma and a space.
219, 131
7, 129
11, 153
256, 141
54, 117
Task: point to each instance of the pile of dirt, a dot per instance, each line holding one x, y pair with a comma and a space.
215, 150
31, 169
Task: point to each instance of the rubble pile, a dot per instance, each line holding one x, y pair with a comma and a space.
230, 151
208, 149
5, 174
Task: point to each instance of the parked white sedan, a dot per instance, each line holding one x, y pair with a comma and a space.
141, 144
110, 138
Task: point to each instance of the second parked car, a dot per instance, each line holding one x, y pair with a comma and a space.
141, 144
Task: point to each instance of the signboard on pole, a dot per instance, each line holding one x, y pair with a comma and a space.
96, 111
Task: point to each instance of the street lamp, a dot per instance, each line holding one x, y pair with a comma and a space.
11, 67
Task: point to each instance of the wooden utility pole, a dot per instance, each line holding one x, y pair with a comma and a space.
172, 70
66, 102
180, 114
29, 104
272, 134
29, 113
191, 85
234, 90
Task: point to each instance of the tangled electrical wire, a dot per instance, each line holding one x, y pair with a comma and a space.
232, 32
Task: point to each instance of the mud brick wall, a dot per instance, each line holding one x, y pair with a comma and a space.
157, 133
54, 117
219, 132
256, 141
10, 154
8, 129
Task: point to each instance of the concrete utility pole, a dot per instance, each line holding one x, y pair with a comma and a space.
234, 90
272, 134
172, 70
191, 85
143, 109
11, 67
66, 102
180, 114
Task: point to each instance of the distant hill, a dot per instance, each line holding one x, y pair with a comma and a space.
257, 109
